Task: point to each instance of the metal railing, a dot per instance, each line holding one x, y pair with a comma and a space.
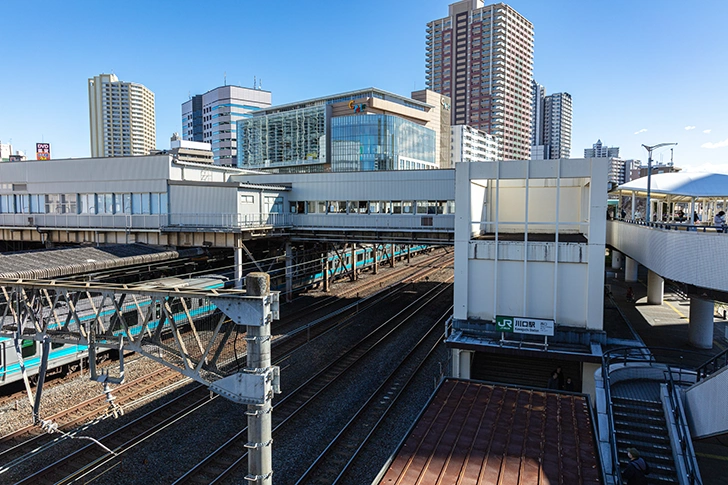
229, 220
624, 356
683, 431
713, 365
678, 226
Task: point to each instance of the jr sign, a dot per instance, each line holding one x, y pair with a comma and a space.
524, 325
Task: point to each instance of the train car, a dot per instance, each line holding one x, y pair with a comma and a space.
340, 264
66, 358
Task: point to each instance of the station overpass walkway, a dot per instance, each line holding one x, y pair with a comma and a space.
663, 326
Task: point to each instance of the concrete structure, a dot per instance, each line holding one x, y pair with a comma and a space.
482, 58
6, 149
550, 124
600, 151
212, 118
529, 244
557, 125
121, 116
362, 130
189, 151
472, 145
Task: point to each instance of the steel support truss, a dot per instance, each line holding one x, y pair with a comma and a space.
193, 331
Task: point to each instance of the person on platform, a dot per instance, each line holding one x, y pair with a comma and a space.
569, 385
553, 381
637, 469
623, 213
719, 219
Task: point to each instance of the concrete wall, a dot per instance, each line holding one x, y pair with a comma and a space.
712, 419
684, 256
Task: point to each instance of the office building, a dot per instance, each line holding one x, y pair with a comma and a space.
6, 149
121, 115
363, 130
472, 145
482, 58
212, 117
598, 150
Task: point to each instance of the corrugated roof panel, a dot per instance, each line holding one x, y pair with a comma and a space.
475, 433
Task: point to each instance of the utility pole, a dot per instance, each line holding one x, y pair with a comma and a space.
649, 149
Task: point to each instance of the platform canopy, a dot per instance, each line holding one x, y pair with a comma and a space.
701, 185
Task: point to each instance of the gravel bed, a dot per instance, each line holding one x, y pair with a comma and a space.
170, 453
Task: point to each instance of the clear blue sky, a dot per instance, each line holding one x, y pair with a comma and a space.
646, 71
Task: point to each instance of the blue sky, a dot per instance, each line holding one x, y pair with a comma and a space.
646, 71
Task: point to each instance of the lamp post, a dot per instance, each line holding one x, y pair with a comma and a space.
649, 175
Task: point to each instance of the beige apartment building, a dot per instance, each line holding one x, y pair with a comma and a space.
482, 58
121, 116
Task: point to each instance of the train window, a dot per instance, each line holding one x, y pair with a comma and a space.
27, 348
56, 345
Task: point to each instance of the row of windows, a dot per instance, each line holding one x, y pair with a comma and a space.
147, 203
372, 207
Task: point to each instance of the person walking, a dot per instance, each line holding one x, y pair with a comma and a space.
637, 469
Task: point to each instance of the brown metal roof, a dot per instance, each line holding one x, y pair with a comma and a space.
476, 433
65, 262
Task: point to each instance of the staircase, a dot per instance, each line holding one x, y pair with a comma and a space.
641, 424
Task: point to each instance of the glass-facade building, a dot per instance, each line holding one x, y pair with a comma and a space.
357, 131
380, 142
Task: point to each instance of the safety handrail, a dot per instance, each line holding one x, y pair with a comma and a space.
712, 365
678, 226
616, 475
683, 431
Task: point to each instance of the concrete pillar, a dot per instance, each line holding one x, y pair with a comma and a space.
630, 269
260, 463
238, 265
391, 255
327, 269
460, 360
700, 328
408, 253
616, 259
289, 271
655, 288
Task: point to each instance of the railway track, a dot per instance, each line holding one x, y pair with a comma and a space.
219, 465
333, 464
121, 439
20, 443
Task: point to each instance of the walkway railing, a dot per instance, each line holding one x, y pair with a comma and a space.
678, 226
625, 356
687, 454
230, 220
713, 365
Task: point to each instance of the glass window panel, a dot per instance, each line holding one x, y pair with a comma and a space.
163, 203
396, 207
155, 203
311, 207
407, 207
126, 202
136, 203
422, 207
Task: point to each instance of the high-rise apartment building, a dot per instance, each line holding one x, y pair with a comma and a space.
598, 150
121, 116
472, 145
557, 124
482, 58
212, 118
550, 124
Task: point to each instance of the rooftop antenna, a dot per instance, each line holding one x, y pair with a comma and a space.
260, 83
224, 77
671, 157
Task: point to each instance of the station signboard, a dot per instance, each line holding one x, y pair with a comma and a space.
532, 326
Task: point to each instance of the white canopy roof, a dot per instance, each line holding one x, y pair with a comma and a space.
698, 184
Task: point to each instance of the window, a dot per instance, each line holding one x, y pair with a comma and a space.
27, 348
337, 207
396, 207
87, 203
247, 199
407, 207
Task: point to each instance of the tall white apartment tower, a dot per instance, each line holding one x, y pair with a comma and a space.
557, 124
121, 116
212, 118
482, 57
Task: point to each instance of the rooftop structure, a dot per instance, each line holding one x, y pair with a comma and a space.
482, 58
363, 130
121, 116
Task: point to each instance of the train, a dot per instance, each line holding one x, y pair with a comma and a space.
311, 274
66, 357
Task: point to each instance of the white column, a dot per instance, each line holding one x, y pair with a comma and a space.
289, 271
655, 288
700, 329
464, 357
630, 269
616, 259
238, 263
633, 205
